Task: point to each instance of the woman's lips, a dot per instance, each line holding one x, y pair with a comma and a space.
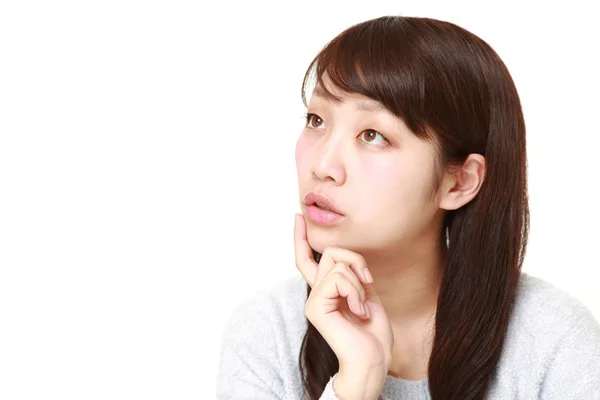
321, 210
322, 217
316, 198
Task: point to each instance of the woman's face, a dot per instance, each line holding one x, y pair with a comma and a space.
376, 173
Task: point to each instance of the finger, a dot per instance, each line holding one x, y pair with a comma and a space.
349, 273
336, 285
304, 258
333, 255
371, 296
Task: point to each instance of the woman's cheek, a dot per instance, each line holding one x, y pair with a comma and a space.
381, 172
301, 152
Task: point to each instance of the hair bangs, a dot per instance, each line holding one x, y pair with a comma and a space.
358, 61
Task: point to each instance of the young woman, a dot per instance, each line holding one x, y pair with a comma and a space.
412, 182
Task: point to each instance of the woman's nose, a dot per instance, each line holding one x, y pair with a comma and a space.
329, 165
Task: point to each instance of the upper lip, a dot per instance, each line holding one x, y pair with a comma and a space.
312, 198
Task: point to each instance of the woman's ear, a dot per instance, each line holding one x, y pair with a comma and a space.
463, 184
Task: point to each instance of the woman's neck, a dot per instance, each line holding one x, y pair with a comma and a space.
408, 283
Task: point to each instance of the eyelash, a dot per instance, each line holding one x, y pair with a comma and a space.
309, 116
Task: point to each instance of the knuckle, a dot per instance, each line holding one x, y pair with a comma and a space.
338, 275
361, 292
328, 250
346, 270
308, 310
343, 267
311, 313
360, 260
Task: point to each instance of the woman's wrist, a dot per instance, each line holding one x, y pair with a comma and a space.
350, 384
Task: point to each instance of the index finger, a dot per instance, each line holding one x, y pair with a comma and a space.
304, 257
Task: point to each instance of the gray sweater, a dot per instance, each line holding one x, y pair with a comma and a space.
551, 351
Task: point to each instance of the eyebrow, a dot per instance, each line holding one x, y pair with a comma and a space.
362, 105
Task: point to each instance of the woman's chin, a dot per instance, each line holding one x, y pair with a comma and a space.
319, 241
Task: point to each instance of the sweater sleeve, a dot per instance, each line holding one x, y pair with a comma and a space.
574, 369
248, 367
250, 362
329, 393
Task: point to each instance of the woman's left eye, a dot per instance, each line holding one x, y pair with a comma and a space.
371, 136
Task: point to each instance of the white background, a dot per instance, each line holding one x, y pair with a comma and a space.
147, 177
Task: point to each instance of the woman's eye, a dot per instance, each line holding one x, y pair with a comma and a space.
372, 136
314, 121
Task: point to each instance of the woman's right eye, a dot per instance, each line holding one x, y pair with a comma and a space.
314, 121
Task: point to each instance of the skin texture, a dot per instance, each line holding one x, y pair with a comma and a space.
380, 176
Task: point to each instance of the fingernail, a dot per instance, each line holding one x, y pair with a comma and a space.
368, 275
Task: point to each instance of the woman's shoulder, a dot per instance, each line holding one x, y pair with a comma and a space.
277, 307
280, 297
261, 340
543, 309
552, 344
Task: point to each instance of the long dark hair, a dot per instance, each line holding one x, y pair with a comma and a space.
452, 89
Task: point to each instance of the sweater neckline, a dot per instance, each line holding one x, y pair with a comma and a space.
405, 382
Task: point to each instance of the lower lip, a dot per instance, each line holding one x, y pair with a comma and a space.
322, 217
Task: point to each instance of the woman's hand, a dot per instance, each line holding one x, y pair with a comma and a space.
345, 309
